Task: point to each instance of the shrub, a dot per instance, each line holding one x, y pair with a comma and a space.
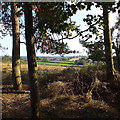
80, 62
6, 58
44, 60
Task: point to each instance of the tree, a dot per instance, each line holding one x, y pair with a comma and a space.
32, 63
16, 73
107, 7
95, 50
80, 62
10, 23
68, 12
31, 56
116, 43
46, 18
108, 45
104, 21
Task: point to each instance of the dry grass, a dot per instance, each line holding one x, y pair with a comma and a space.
16, 106
50, 67
60, 94
8, 66
7, 71
74, 107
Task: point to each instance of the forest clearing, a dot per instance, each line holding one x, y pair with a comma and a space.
59, 95
83, 81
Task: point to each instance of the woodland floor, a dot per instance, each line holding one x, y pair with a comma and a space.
17, 105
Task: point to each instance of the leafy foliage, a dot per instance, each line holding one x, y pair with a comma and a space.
49, 35
46, 27
6, 58
95, 50
80, 62
5, 19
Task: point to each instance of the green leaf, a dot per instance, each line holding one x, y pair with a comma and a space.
100, 23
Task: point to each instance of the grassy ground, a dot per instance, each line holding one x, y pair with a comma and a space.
62, 94
18, 106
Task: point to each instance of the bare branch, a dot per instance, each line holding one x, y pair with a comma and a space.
23, 43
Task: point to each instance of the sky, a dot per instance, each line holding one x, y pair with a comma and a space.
73, 44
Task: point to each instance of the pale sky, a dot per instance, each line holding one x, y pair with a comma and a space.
73, 44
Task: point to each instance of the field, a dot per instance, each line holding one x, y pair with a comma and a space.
57, 63
62, 94
63, 63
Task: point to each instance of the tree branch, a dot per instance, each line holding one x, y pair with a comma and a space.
23, 43
79, 33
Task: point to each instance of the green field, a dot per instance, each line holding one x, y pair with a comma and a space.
62, 63
59, 63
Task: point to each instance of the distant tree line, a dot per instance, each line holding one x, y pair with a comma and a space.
51, 19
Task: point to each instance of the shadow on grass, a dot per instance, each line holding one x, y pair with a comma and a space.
65, 108
16, 106
7, 78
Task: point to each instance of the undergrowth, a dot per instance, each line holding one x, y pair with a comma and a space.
70, 89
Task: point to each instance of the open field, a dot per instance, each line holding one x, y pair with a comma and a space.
58, 63
8, 67
62, 95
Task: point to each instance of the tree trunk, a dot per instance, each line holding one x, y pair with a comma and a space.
32, 63
118, 58
108, 45
16, 74
118, 43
